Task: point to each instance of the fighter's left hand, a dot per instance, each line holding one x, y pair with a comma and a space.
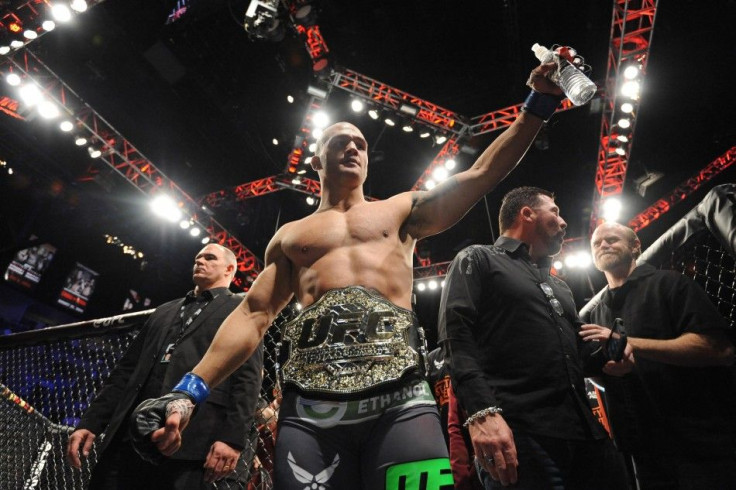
221, 461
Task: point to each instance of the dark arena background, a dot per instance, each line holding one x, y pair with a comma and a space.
214, 104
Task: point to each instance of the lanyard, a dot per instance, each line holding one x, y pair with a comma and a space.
185, 324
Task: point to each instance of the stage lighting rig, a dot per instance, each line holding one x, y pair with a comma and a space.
262, 21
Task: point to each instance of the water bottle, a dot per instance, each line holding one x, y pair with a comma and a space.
576, 85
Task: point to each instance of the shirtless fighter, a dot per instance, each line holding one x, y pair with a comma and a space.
356, 412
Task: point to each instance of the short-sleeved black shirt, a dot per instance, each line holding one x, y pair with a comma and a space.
661, 407
508, 347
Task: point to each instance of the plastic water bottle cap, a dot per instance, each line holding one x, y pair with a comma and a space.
543, 54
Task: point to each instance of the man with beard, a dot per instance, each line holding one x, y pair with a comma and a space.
510, 332
674, 412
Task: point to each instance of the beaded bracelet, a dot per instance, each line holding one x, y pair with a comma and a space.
541, 105
482, 413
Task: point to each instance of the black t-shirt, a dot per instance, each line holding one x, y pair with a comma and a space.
662, 407
510, 331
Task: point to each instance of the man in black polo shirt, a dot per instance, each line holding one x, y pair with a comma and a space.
674, 413
516, 361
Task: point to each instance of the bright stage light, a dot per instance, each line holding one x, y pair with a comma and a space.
421, 286
61, 12
48, 25
80, 141
195, 231
407, 128
389, 122
450, 164
320, 119
624, 123
66, 126
30, 94
611, 209
631, 72
30, 34
430, 184
78, 5
48, 109
166, 208
630, 89
373, 114
627, 107
440, 139
357, 105
440, 173
13, 79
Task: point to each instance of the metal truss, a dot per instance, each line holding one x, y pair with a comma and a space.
417, 109
431, 270
27, 15
10, 107
649, 215
632, 27
296, 163
121, 156
262, 187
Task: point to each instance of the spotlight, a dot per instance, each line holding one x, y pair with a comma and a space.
627, 107
622, 138
94, 152
439, 139
80, 141
620, 151
4, 50
440, 173
421, 286
407, 128
165, 207
301, 171
61, 12
557, 264
296, 181
308, 160
442, 284
275, 142
185, 224
48, 25
320, 119
425, 134
584, 259
313, 147
389, 122
450, 164
16, 44
289, 99
66, 126
630, 89
373, 114
430, 184
310, 200
13, 79
30, 34
195, 231
357, 105
571, 261
432, 285
205, 240
624, 123
317, 133
611, 209
30, 94
48, 110
631, 72
78, 5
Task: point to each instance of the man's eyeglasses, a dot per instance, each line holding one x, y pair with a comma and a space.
554, 302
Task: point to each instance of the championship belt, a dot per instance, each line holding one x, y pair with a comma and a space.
348, 341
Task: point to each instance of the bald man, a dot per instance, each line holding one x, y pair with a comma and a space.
673, 413
356, 411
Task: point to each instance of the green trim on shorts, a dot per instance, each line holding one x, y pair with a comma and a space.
429, 474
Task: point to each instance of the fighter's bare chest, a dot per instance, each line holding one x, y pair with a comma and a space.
319, 235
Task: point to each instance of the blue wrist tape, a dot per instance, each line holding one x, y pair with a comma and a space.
541, 105
194, 386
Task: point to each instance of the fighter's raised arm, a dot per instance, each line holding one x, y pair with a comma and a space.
436, 210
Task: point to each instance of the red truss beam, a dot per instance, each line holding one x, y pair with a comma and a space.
265, 186
29, 16
448, 151
632, 26
121, 156
302, 140
10, 107
393, 98
434, 270
649, 215
503, 118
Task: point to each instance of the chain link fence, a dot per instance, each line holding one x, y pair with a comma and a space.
49, 377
